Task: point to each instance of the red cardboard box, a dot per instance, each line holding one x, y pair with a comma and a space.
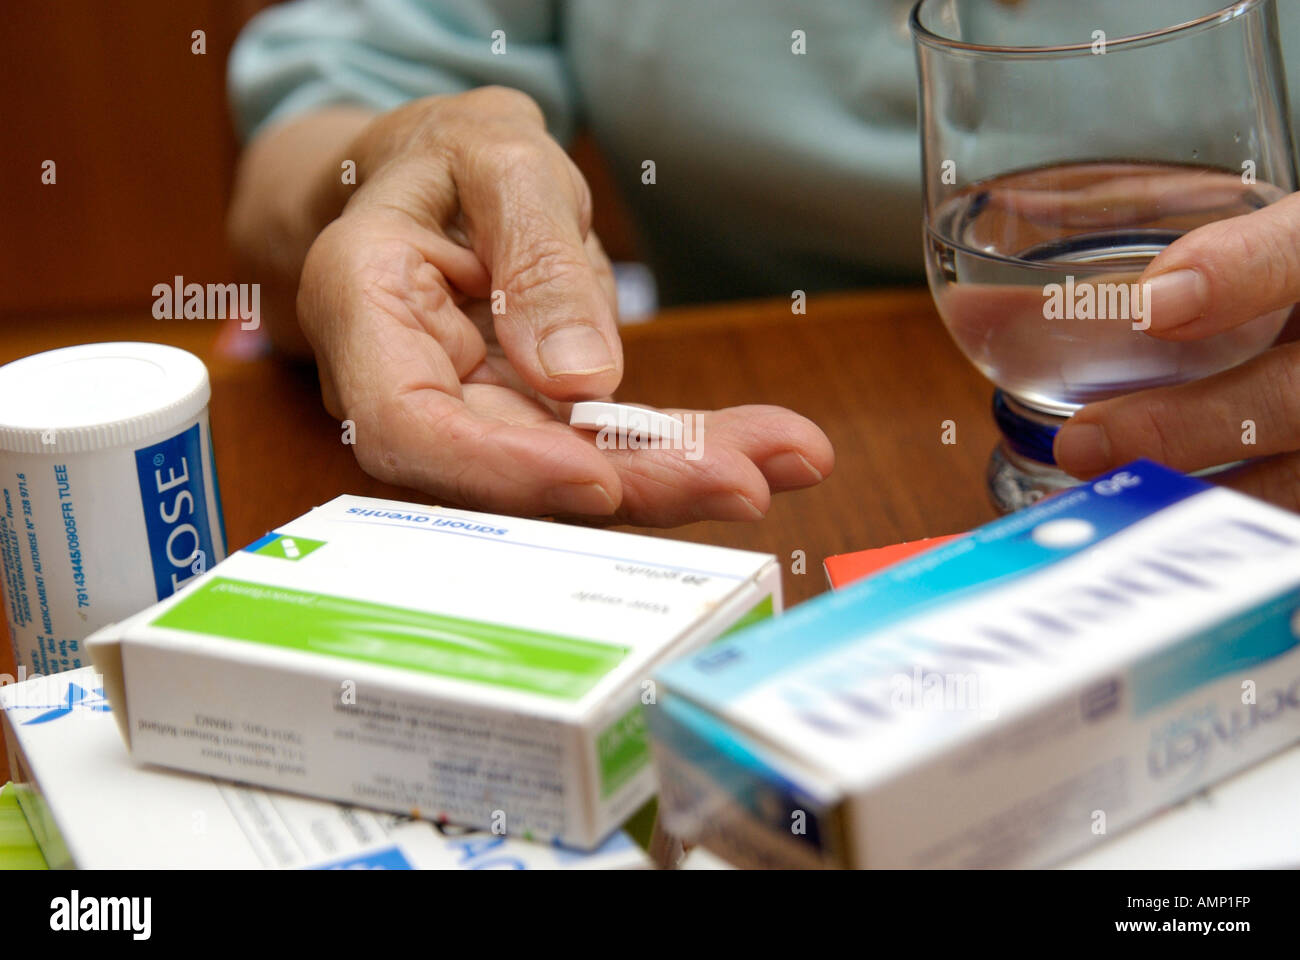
844, 568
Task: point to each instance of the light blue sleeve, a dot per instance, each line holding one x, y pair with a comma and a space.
381, 53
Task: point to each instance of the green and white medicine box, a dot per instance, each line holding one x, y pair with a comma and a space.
485, 670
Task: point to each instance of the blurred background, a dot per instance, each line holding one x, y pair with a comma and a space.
139, 130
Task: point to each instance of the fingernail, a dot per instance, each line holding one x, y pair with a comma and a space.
1082, 449
728, 506
573, 351
581, 498
790, 469
1175, 299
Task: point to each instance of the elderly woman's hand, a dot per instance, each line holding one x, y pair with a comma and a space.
461, 300
1215, 278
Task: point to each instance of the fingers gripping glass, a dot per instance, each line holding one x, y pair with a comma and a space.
1063, 147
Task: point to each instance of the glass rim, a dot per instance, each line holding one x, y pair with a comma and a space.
924, 35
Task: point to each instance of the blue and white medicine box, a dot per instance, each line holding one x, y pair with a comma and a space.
1009, 699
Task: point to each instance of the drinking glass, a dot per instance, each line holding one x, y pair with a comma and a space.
1064, 145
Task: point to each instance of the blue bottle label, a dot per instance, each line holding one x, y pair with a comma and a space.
174, 498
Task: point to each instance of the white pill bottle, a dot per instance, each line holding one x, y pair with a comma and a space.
108, 491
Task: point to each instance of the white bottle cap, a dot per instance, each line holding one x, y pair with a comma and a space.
108, 491
96, 396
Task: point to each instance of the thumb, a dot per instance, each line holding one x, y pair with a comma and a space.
553, 316
1227, 273
527, 214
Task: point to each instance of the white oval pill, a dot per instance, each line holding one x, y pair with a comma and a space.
625, 419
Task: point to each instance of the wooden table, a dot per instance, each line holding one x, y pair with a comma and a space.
875, 370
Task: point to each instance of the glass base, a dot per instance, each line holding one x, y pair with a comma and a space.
1015, 481
1021, 470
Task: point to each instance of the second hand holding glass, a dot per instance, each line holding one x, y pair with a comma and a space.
1063, 150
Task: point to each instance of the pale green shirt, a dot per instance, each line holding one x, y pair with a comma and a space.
774, 170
